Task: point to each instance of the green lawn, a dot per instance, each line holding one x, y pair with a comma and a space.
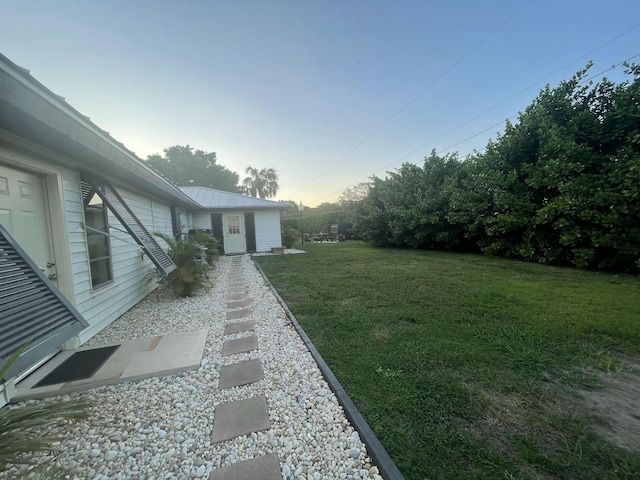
467, 366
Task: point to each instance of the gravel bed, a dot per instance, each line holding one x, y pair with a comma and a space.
160, 427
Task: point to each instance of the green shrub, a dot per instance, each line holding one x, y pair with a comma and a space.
210, 243
188, 277
289, 236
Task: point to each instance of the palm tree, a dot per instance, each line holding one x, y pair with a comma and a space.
261, 183
32, 429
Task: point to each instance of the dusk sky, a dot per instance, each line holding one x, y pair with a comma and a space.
327, 92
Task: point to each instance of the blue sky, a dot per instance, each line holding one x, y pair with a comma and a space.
303, 86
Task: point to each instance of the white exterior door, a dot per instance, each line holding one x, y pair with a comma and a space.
24, 213
234, 241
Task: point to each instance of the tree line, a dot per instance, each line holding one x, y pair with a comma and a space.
186, 166
560, 186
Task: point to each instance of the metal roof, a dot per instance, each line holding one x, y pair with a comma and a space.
219, 200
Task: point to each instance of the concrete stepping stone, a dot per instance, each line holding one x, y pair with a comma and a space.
266, 467
241, 373
239, 345
240, 418
236, 327
238, 314
239, 303
237, 290
238, 296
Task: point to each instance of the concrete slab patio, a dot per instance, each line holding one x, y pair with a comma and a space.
139, 358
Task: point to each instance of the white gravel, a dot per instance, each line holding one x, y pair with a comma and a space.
160, 427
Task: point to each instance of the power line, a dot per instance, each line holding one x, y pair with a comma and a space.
431, 142
586, 80
422, 92
582, 82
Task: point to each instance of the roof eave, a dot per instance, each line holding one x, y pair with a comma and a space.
31, 111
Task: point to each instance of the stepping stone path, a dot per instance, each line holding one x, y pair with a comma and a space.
266, 467
242, 417
241, 373
236, 327
240, 345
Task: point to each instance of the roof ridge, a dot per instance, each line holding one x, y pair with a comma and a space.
257, 202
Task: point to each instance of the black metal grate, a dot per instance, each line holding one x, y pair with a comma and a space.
87, 192
32, 310
136, 229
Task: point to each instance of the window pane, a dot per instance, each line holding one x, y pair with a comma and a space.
234, 224
98, 245
95, 218
100, 272
95, 200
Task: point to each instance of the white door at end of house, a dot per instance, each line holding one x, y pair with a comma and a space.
24, 213
234, 240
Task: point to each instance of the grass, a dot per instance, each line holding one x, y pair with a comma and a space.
467, 366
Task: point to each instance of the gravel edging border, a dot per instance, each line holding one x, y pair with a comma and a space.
376, 451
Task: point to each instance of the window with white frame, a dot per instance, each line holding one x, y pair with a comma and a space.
234, 224
97, 231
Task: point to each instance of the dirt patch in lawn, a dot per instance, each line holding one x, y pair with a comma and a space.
617, 404
510, 415
613, 405
382, 335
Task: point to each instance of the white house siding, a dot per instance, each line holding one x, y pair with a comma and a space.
267, 230
161, 217
267, 223
103, 305
183, 220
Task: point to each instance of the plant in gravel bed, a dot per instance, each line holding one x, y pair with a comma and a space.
31, 429
188, 277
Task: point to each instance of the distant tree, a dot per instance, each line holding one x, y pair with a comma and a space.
261, 183
409, 208
353, 196
326, 207
188, 167
293, 203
